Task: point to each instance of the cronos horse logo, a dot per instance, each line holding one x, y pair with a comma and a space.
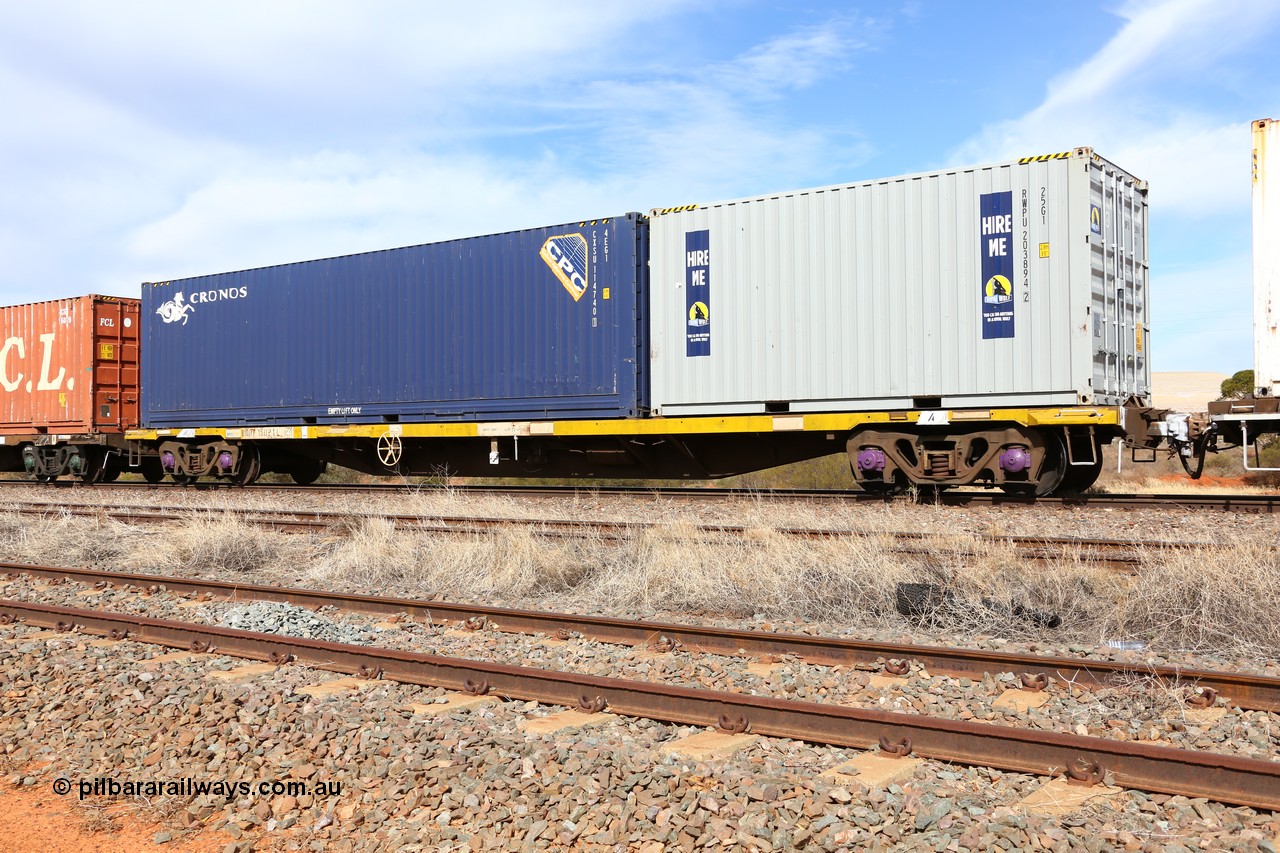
175, 309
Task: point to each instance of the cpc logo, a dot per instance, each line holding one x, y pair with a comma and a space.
567, 257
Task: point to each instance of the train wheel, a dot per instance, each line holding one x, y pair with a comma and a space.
1052, 473
94, 468
306, 473
151, 470
1080, 477
250, 466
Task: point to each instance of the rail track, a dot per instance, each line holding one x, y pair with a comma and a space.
1119, 554
1252, 692
1089, 760
1254, 503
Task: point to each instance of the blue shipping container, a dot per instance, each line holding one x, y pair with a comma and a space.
528, 325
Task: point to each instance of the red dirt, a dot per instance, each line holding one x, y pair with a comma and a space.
36, 819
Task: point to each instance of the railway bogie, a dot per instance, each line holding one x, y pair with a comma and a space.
1017, 459
87, 458
236, 463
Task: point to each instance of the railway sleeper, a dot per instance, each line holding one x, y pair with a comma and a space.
1017, 459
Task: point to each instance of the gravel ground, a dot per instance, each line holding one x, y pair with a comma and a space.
475, 780
1139, 712
275, 617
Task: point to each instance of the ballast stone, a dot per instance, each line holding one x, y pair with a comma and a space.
274, 617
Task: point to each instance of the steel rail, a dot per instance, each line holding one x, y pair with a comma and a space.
1266, 503
1252, 692
1226, 778
1118, 554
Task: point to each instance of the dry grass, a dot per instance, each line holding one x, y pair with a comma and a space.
1221, 600
1209, 601
515, 562
203, 542
674, 567
994, 591
60, 539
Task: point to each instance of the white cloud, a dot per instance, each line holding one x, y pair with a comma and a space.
683, 137
145, 142
266, 211
1128, 102
317, 48
692, 134
795, 60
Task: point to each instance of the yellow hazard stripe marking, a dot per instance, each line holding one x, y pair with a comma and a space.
836, 422
1042, 158
681, 209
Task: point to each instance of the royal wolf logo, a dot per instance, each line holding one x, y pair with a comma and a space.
175, 309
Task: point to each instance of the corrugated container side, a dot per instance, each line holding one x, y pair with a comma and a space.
525, 325
1266, 254
69, 366
1015, 284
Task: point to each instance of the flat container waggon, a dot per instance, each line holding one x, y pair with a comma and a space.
985, 325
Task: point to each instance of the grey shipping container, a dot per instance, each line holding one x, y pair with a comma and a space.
1018, 284
534, 324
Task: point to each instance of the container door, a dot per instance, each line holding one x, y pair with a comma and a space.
1118, 302
115, 364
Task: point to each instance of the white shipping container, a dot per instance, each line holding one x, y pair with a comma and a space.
1018, 284
1266, 255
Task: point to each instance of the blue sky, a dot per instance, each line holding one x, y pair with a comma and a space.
148, 141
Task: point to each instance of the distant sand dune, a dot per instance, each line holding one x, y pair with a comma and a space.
1185, 392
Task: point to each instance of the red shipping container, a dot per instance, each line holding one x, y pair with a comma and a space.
69, 366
